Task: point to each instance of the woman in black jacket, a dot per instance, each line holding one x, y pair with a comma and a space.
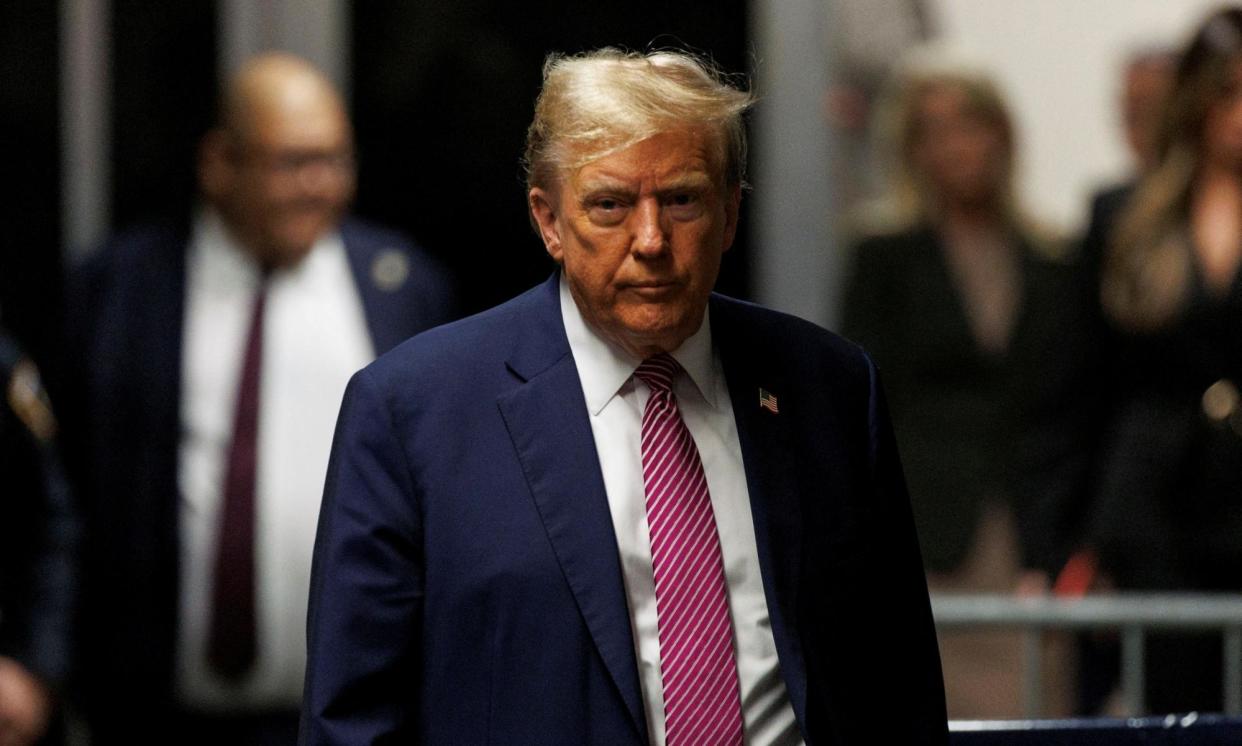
981, 328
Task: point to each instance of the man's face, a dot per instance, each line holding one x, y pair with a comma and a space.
640, 235
286, 177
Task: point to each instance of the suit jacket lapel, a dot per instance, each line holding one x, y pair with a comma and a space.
548, 422
768, 456
362, 254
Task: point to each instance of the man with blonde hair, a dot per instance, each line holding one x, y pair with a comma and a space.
621, 509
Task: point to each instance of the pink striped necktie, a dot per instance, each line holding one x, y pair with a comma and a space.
697, 667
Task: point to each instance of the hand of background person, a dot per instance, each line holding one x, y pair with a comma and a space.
1032, 583
25, 705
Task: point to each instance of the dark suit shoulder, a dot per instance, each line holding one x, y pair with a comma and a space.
404, 289
133, 249
366, 242
365, 236
459, 351
786, 342
133, 269
894, 243
748, 316
363, 232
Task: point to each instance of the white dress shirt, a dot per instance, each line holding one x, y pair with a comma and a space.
615, 402
314, 338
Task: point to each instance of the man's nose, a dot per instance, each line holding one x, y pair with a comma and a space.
650, 236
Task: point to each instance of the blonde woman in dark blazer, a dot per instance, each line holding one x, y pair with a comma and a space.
980, 327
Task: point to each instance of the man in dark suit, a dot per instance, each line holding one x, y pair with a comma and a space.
620, 509
213, 361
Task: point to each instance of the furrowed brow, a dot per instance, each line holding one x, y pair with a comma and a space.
688, 182
600, 186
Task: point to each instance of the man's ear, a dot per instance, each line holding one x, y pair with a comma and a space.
543, 213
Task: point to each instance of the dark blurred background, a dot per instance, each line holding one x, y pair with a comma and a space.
30, 257
441, 93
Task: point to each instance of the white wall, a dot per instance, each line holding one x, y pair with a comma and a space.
1060, 62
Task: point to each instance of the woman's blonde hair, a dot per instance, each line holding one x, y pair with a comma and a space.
1149, 255
601, 102
909, 198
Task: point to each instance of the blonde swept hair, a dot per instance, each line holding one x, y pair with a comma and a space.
603, 101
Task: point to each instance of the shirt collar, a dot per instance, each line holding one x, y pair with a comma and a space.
604, 368
227, 262
223, 258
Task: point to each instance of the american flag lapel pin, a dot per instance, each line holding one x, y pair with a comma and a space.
767, 400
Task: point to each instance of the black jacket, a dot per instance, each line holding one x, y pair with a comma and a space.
973, 424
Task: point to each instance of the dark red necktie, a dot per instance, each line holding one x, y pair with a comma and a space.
231, 641
697, 665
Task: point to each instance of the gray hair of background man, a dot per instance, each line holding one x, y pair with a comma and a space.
602, 102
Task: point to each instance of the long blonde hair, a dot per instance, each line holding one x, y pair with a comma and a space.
1149, 255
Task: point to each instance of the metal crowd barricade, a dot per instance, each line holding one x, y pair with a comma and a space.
1133, 614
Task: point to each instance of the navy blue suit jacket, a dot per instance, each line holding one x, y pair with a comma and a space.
467, 587
123, 423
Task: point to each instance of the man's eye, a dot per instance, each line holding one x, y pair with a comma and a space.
606, 211
684, 205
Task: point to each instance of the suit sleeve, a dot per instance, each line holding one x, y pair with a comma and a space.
921, 688
364, 623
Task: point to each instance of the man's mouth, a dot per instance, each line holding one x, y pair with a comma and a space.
653, 290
